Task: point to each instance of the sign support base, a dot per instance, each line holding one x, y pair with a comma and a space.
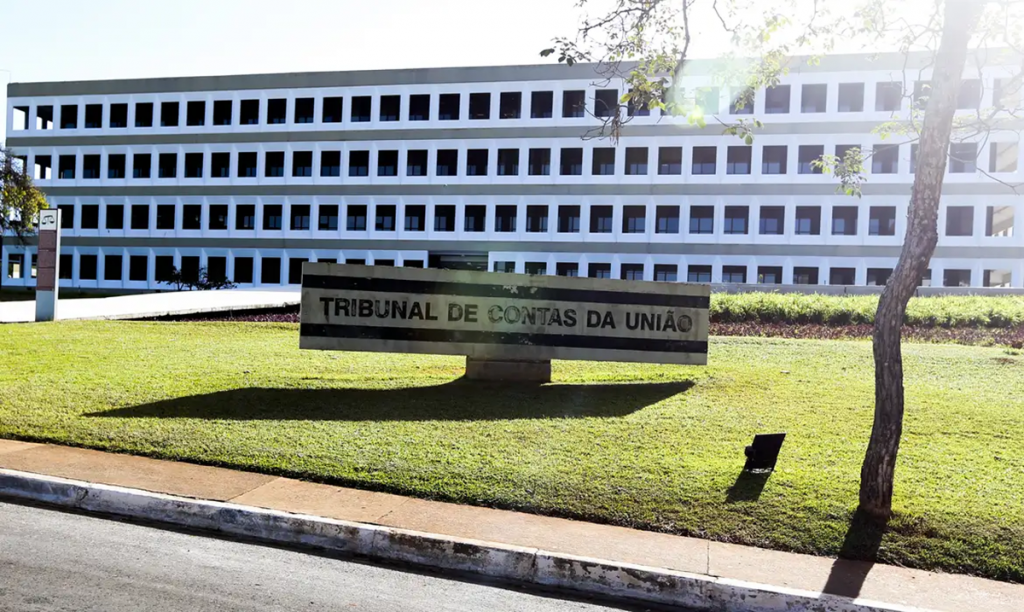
508, 370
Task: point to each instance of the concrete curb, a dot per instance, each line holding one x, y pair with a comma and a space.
524, 565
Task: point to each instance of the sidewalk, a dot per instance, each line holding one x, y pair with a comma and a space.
879, 583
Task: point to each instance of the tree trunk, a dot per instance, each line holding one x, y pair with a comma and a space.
876, 477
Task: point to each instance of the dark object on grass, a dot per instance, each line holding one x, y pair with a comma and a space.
764, 452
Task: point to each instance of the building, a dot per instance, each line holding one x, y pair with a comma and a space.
249, 176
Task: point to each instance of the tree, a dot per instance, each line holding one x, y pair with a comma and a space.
20, 201
203, 281
646, 44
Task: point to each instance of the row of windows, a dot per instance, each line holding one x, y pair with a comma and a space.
270, 271
736, 220
850, 98
884, 159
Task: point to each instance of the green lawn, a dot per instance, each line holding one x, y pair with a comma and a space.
656, 447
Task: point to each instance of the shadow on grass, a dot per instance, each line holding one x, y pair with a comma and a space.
860, 549
748, 486
459, 400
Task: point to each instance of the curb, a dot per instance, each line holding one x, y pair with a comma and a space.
506, 562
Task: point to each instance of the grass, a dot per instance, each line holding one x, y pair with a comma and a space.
944, 311
648, 446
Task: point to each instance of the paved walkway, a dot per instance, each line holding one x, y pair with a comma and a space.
882, 583
140, 306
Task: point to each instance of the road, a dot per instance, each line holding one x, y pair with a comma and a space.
51, 561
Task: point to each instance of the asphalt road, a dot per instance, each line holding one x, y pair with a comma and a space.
51, 560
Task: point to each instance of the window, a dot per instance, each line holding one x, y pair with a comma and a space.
670, 160
218, 217
956, 278
808, 154
272, 216
387, 163
220, 165
390, 108
540, 162
814, 98
808, 220
851, 100
600, 219
44, 167
330, 163
480, 106
702, 219
448, 107
169, 112
636, 161
743, 103
999, 221
508, 162
87, 267
568, 219
165, 217
476, 219
444, 218
959, 220
355, 220
333, 110
885, 159
249, 112
247, 164
805, 276
416, 162
90, 216
222, 112
243, 270
922, 91
16, 265
510, 105
541, 104
704, 161
536, 267
384, 217
217, 268
599, 270
1003, 157
773, 220
604, 161
567, 269
734, 274
707, 99
358, 163
419, 107
304, 110
112, 267
573, 104
277, 111
537, 218
141, 165
969, 96
67, 216
507, 267
68, 117
193, 165
666, 273
93, 116
738, 160
476, 162
505, 218
878, 277
67, 263
633, 272
773, 159
119, 115
993, 278
571, 162
90, 166
634, 219
274, 164
270, 271
245, 217
963, 157
769, 275
447, 162
844, 221
606, 102
295, 270
300, 217
776, 100
140, 217
882, 221
167, 165
737, 219
888, 97
192, 217
638, 105
66, 166
195, 113
361, 109
327, 218
143, 114
115, 216
415, 218
666, 220
1006, 93
698, 274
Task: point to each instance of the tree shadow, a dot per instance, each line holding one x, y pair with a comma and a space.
857, 556
748, 486
459, 400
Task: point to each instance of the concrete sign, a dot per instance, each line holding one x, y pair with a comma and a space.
503, 317
48, 271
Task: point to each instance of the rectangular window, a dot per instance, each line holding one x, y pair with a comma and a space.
295, 270
569, 219
508, 162
90, 216
963, 157
143, 114
222, 112
844, 221
877, 277
384, 220
738, 159
638, 105
416, 162
90, 166
390, 108
220, 165
1003, 157
567, 269
573, 104
571, 162
169, 112
355, 219
66, 166
606, 102
743, 103
165, 217
666, 220
604, 161
956, 278
476, 162
776, 100
1006, 93
119, 115
959, 220
999, 221
447, 162
218, 217
707, 100
419, 107
195, 113
444, 218
969, 96
882, 221
734, 274
634, 272
361, 109
193, 165
68, 117
666, 273
140, 217
277, 111
87, 267
773, 220
192, 217
333, 109
115, 216
601, 219
808, 155
773, 159
270, 271
505, 267
273, 164
243, 270
67, 264
634, 219
272, 217
537, 218
249, 112
245, 217
304, 110
112, 267
217, 268
540, 162
330, 163
358, 163
387, 163
769, 275
67, 216
505, 218
167, 165
510, 105
704, 160
327, 217
537, 268
448, 107
851, 99
138, 268
480, 106
300, 214
888, 97
44, 167
805, 276
698, 274
93, 116
670, 160
599, 270
737, 219
636, 161
247, 164
415, 218
702, 219
542, 104
885, 159
808, 220
814, 98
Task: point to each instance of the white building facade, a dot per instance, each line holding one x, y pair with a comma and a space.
492, 168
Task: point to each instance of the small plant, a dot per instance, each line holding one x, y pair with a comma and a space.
203, 281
